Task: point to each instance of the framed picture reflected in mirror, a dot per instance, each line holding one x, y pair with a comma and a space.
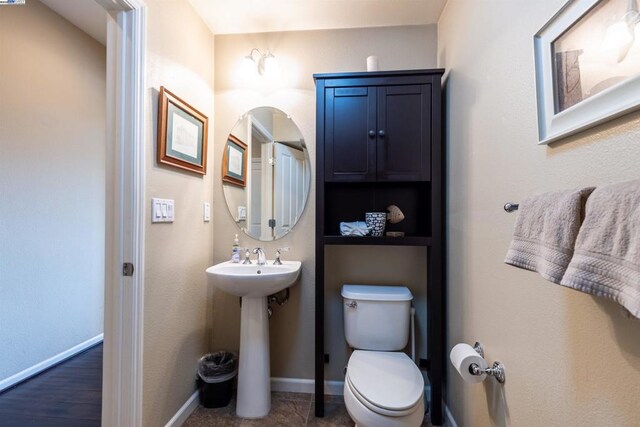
234, 162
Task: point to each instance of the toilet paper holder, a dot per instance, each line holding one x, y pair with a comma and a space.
496, 371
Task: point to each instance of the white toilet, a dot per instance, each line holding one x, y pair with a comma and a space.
383, 387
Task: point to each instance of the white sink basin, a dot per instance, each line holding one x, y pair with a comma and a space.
251, 280
254, 283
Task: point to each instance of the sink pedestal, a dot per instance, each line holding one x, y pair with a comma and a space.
254, 376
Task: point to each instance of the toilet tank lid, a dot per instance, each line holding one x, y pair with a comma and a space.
376, 293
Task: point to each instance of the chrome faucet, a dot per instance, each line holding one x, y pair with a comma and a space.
279, 251
262, 258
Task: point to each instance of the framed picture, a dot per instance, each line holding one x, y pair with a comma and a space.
587, 60
182, 134
234, 162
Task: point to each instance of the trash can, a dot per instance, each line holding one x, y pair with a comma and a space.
216, 372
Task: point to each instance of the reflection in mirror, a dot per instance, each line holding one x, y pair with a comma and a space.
266, 173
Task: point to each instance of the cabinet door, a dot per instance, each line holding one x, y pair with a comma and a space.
404, 133
350, 134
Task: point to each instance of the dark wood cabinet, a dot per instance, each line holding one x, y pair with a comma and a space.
379, 142
404, 133
350, 134
377, 133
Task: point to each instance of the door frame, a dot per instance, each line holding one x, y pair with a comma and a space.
124, 295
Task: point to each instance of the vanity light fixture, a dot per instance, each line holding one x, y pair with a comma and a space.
622, 33
265, 64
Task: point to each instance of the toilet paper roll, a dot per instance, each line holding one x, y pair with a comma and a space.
462, 356
372, 63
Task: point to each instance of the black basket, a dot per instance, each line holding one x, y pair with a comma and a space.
216, 372
215, 395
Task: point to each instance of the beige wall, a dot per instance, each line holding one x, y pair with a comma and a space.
301, 54
52, 186
180, 57
571, 359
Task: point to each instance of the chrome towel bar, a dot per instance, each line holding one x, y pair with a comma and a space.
511, 207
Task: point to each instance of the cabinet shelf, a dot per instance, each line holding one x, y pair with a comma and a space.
383, 240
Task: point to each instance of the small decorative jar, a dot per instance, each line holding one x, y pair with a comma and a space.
376, 221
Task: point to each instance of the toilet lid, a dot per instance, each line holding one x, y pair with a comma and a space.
387, 380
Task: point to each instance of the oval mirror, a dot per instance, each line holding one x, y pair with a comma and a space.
266, 173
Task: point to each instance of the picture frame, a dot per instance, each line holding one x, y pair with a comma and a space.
234, 162
182, 134
584, 67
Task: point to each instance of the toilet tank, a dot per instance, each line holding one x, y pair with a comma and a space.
376, 317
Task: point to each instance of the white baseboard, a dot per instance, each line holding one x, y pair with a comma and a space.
301, 385
184, 412
46, 364
450, 421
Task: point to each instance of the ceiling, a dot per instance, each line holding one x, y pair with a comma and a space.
87, 15
254, 16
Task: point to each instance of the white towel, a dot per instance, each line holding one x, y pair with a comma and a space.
606, 260
357, 228
545, 232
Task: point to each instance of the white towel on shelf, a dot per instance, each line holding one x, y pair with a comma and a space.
606, 260
545, 232
357, 228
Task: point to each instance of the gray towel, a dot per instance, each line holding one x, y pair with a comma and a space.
545, 232
606, 261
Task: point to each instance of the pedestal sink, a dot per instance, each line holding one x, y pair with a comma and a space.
253, 283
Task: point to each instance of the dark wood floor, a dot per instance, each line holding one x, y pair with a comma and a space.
68, 395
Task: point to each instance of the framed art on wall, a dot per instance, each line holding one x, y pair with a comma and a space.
182, 134
234, 162
587, 60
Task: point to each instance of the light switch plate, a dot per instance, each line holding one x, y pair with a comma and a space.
162, 210
206, 212
242, 213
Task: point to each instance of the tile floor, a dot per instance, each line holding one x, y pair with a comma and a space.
287, 410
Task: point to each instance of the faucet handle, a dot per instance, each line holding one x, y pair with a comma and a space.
247, 256
278, 253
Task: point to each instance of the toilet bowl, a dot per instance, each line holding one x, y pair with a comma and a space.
384, 389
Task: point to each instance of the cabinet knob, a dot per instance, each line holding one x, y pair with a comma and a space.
381, 132
372, 133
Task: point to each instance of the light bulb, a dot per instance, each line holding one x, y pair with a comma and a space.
618, 35
271, 67
248, 69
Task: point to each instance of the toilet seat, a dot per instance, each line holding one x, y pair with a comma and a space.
387, 383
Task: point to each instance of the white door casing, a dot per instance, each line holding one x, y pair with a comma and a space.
123, 327
255, 205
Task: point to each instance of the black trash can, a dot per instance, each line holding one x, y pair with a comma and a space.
216, 372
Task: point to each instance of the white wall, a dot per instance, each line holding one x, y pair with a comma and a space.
52, 186
300, 54
571, 358
176, 333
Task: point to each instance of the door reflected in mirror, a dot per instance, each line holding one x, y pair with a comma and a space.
266, 173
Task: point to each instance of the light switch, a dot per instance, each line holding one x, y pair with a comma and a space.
170, 210
162, 210
206, 212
